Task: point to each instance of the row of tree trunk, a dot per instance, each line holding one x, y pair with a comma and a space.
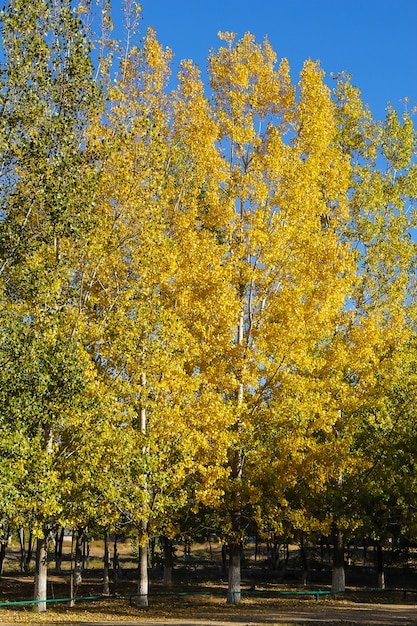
111, 566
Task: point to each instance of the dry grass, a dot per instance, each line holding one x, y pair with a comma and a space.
192, 608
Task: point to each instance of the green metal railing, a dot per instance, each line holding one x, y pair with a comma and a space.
51, 600
131, 596
317, 594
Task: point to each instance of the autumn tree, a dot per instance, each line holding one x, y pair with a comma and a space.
48, 181
153, 290
382, 214
362, 364
284, 200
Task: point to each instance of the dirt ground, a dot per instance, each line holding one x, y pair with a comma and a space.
293, 612
197, 610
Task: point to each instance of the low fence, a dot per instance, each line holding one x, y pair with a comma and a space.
316, 594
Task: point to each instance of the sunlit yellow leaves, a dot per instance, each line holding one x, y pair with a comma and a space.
291, 271
398, 140
247, 86
315, 112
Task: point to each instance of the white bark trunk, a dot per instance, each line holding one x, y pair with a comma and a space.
381, 580
233, 592
41, 575
380, 566
338, 578
77, 573
143, 584
338, 569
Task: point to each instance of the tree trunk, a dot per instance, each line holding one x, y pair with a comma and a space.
86, 552
143, 582
338, 569
233, 592
71, 604
321, 550
115, 563
41, 575
365, 552
224, 560
304, 563
275, 554
22, 549
29, 552
106, 578
349, 553
3, 546
236, 473
77, 574
380, 565
329, 552
168, 562
152, 552
285, 559
187, 549
59, 542
234, 543
143, 540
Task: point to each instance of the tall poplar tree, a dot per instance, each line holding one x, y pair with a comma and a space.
284, 200
153, 289
361, 365
369, 347
48, 180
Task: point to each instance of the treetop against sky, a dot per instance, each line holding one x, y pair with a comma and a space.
374, 41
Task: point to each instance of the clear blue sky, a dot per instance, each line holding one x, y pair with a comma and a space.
374, 40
